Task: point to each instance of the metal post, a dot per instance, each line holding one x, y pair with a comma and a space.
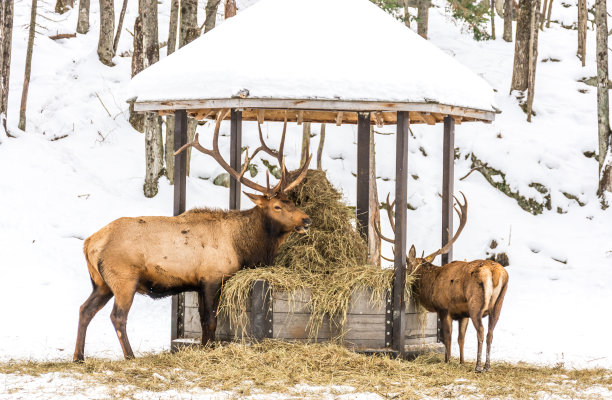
363, 173
401, 199
180, 183
448, 163
235, 157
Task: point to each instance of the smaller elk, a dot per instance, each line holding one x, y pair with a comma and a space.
194, 251
458, 290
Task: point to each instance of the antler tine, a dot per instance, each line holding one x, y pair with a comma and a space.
295, 178
390, 207
462, 221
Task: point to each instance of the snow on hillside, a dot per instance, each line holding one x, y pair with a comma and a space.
55, 193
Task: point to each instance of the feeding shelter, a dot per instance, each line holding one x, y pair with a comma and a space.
317, 61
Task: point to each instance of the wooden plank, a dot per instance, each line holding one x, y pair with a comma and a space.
285, 303
448, 162
235, 157
429, 119
360, 303
339, 117
261, 311
300, 117
295, 326
301, 104
363, 174
401, 200
379, 120
261, 116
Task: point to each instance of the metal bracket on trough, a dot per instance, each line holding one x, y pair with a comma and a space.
261, 311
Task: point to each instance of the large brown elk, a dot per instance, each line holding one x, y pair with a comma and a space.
195, 251
458, 290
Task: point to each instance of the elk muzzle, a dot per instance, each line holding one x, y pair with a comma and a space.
306, 222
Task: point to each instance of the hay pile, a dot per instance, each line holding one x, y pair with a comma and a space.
330, 261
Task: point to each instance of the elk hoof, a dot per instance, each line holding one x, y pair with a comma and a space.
78, 359
487, 367
478, 369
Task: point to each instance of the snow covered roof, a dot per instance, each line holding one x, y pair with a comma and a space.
342, 55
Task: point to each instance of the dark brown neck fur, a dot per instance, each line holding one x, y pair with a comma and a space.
258, 240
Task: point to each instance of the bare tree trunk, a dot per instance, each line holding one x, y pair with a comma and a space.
211, 14
305, 142
6, 40
152, 124
28, 67
119, 27
508, 11
603, 105
582, 31
423, 17
374, 243
543, 19
107, 32
136, 119
188, 30
320, 149
533, 56
520, 70
407, 13
230, 8
493, 19
169, 145
550, 3
83, 21
61, 6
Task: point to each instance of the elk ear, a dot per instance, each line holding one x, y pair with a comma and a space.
412, 253
259, 200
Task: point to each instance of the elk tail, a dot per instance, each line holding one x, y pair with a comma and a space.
93, 266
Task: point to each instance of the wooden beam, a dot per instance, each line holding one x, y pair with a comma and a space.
235, 157
429, 119
379, 119
261, 116
300, 117
339, 117
320, 105
401, 200
180, 183
363, 174
448, 176
262, 312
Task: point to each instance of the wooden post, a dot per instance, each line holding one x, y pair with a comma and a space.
261, 311
363, 173
180, 182
401, 199
448, 164
235, 157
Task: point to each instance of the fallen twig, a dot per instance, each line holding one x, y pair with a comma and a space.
109, 114
62, 36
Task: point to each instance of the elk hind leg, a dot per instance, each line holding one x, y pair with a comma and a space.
476, 318
447, 332
208, 301
493, 318
463, 323
121, 308
100, 295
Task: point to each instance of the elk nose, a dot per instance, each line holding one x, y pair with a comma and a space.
306, 222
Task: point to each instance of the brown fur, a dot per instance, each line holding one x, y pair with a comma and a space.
195, 251
458, 291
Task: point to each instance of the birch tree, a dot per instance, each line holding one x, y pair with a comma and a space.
508, 12
211, 14
152, 122
520, 70
28, 67
582, 31
6, 39
603, 105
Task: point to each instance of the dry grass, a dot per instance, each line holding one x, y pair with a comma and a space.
277, 367
330, 262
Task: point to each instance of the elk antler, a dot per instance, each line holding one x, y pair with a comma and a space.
462, 221
288, 180
461, 212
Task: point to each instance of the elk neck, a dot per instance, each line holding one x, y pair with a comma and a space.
424, 284
258, 239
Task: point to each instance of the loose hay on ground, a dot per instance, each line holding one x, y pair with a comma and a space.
330, 262
277, 367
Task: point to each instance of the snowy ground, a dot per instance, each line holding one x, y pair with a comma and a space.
55, 193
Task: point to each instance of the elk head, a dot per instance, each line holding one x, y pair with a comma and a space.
413, 263
273, 202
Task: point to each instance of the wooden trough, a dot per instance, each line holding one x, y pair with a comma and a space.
276, 315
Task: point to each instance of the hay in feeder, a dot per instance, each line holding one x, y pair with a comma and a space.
330, 261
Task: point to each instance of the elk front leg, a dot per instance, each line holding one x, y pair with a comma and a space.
447, 332
96, 301
463, 323
208, 301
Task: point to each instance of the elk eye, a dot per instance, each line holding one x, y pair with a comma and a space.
277, 208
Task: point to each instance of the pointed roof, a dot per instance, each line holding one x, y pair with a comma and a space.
320, 54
